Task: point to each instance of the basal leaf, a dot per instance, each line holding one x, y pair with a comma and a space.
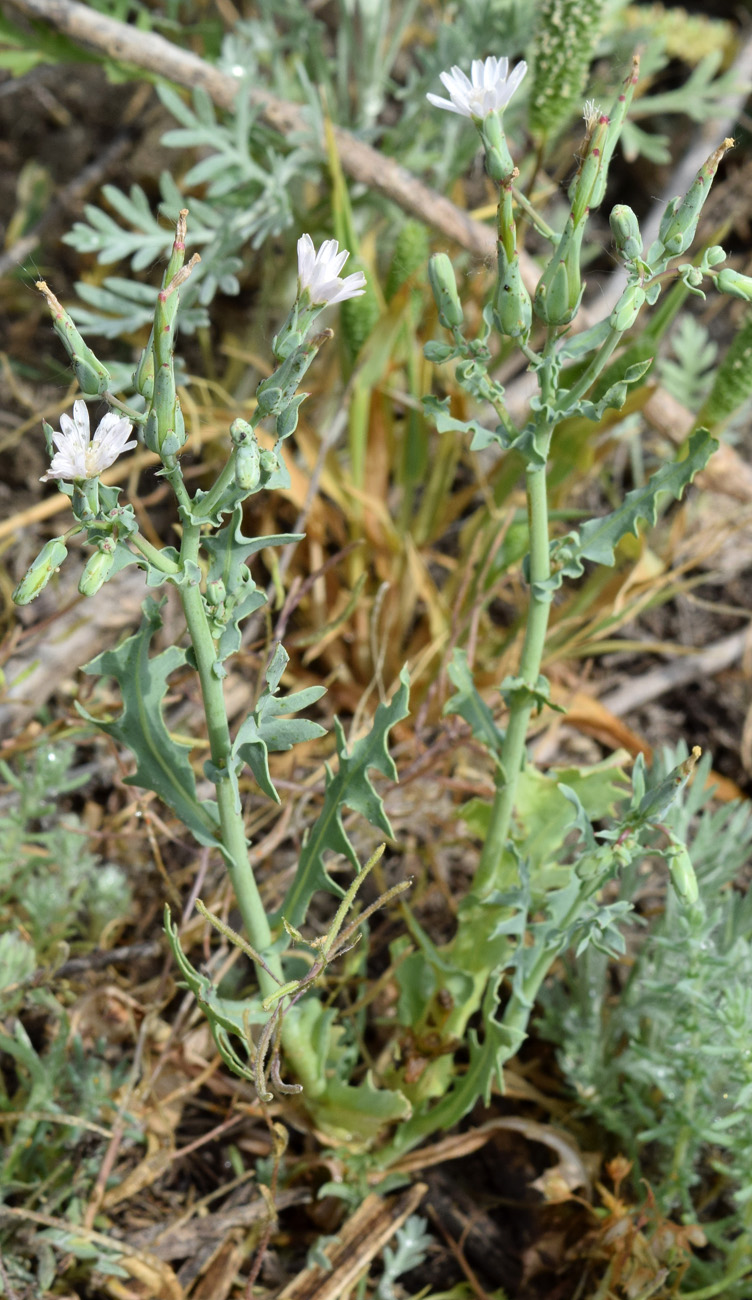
162, 765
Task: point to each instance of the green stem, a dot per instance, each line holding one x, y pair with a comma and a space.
536, 219
590, 375
230, 814
154, 555
138, 417
523, 701
225, 477
174, 475
718, 1288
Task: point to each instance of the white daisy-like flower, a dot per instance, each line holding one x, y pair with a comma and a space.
488, 89
79, 456
319, 273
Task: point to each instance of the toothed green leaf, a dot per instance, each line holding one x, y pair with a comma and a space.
598, 538
470, 705
162, 764
351, 787
266, 731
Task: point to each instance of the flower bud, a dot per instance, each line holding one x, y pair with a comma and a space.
560, 288
582, 187
617, 116
97, 570
627, 309
679, 223
240, 432
682, 873
275, 393
216, 592
734, 283
247, 466
93, 377
512, 307
143, 375
714, 255
47, 562
625, 229
444, 288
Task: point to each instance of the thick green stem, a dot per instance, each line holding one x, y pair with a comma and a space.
154, 555
225, 477
523, 701
230, 814
589, 377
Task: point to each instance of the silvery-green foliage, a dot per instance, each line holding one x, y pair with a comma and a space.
702, 97
688, 373
663, 1063
49, 880
248, 185
411, 1243
250, 177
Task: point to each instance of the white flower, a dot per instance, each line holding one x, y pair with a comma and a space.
489, 90
319, 273
78, 457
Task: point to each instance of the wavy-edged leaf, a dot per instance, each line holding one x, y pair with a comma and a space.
351, 787
162, 764
598, 538
437, 409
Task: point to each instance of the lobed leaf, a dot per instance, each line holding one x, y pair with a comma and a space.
162, 764
267, 730
351, 787
598, 538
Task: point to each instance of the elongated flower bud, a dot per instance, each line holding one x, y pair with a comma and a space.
164, 431
625, 229
97, 570
248, 466
512, 307
682, 873
583, 184
276, 392
560, 288
627, 309
734, 283
47, 562
93, 377
679, 224
444, 288
617, 116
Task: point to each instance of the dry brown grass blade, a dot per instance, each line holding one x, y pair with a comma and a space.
358, 1242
